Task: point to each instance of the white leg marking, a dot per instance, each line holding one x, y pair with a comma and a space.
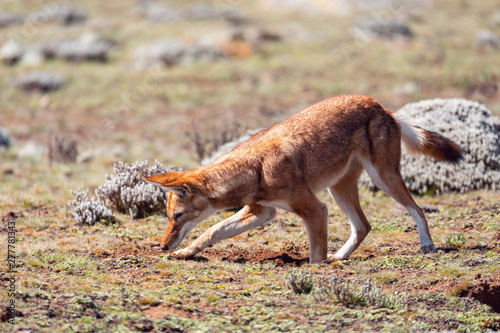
426, 244
359, 226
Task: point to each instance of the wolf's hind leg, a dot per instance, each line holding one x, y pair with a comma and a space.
389, 180
345, 194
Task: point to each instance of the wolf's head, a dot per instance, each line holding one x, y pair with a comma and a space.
187, 205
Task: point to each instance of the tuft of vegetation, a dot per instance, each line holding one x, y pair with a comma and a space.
300, 282
63, 149
455, 240
338, 289
220, 140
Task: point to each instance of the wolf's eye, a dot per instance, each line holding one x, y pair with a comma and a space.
177, 215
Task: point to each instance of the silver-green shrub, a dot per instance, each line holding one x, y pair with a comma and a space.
88, 210
126, 192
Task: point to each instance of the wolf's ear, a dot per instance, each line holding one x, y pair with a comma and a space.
164, 178
171, 181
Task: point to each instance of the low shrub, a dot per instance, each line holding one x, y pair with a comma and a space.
340, 290
300, 282
63, 149
88, 210
124, 192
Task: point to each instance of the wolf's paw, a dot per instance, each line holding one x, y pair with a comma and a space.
184, 253
427, 248
336, 256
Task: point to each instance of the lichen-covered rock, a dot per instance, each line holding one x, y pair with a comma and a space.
5, 139
11, 52
230, 43
64, 14
88, 210
125, 191
155, 12
472, 126
42, 81
371, 28
87, 47
228, 146
487, 38
173, 51
8, 18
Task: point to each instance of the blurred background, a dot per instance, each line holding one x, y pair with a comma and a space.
85, 84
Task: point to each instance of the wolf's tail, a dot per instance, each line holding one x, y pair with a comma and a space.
419, 140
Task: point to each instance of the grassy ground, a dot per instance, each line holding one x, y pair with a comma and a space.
114, 278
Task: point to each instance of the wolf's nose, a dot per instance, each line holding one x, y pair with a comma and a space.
164, 247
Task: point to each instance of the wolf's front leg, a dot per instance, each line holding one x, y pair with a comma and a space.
247, 218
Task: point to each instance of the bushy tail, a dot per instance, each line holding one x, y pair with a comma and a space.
419, 140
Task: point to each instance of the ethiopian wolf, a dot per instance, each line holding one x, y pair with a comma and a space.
327, 145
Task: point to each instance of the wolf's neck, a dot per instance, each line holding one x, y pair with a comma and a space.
231, 182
